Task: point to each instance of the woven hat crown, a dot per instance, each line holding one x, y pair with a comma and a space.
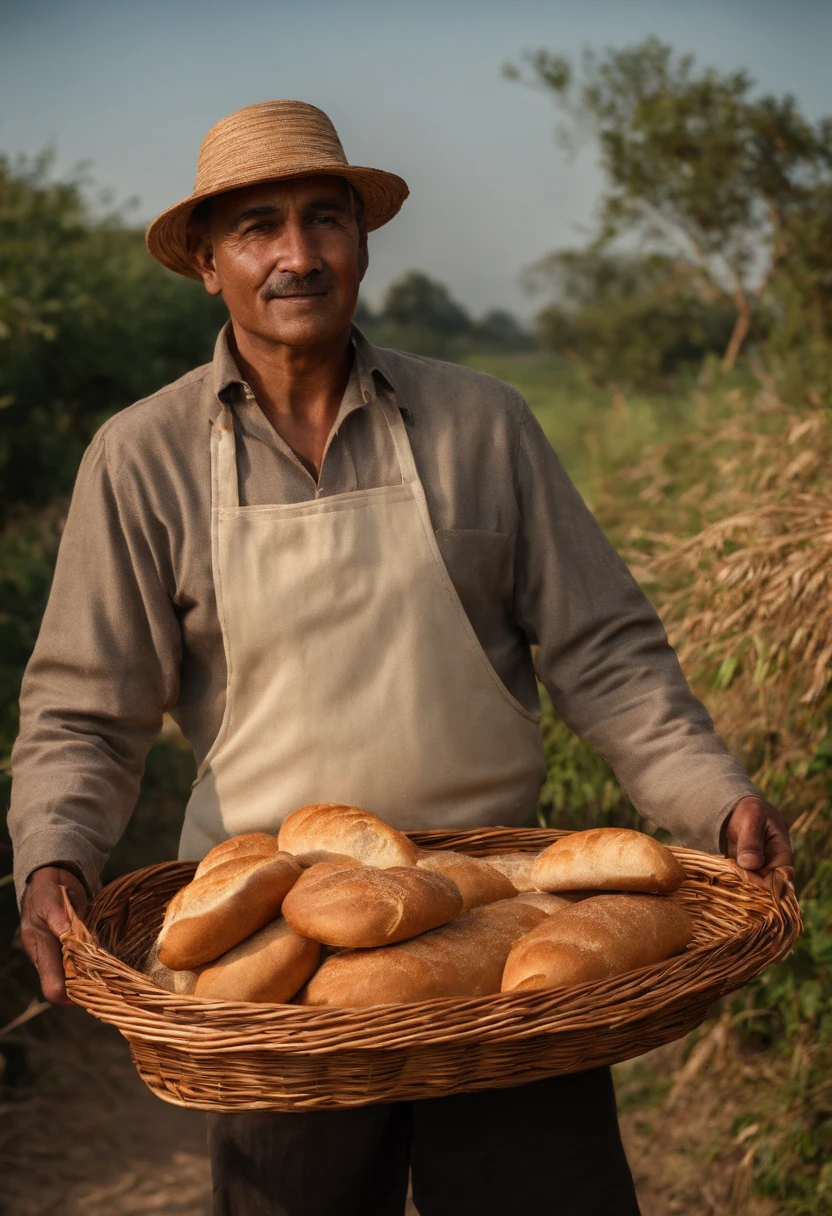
285, 136
269, 141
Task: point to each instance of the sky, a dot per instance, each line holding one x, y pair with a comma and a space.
413, 86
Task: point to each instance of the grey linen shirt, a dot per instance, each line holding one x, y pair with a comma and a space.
131, 628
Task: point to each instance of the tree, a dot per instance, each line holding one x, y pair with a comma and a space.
417, 301
627, 320
798, 298
88, 324
420, 315
697, 166
499, 330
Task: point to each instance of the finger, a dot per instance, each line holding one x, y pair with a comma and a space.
55, 916
44, 950
778, 849
751, 837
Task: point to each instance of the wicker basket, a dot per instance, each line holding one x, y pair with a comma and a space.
224, 1056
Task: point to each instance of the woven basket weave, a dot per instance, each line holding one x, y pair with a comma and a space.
233, 1056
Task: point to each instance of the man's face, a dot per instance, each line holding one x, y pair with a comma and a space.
287, 257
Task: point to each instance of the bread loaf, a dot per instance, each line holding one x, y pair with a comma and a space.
346, 829
517, 868
543, 900
608, 859
271, 965
180, 982
478, 882
464, 958
366, 906
597, 939
238, 848
223, 907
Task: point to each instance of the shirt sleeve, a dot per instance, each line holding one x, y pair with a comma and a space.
605, 659
104, 669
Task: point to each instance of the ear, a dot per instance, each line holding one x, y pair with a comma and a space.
363, 256
201, 253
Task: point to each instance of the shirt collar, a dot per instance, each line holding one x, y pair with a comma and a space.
369, 367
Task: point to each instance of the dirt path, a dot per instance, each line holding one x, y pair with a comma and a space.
91, 1140
86, 1138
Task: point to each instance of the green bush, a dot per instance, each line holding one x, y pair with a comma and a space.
629, 321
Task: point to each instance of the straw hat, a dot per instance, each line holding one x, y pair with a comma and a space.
264, 143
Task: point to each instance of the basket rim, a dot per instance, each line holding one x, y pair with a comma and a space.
150, 1013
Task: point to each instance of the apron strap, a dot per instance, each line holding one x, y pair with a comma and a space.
398, 433
225, 490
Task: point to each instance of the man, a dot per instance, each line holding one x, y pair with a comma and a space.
328, 562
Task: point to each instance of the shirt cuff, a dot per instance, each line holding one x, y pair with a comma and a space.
56, 847
704, 832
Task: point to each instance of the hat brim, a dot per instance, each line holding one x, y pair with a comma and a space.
382, 193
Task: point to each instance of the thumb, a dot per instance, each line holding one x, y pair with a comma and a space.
751, 838
56, 918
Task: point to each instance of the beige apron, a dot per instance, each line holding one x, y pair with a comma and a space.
354, 674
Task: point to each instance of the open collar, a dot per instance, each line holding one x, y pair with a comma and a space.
369, 369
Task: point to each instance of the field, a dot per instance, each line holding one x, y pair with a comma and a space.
590, 429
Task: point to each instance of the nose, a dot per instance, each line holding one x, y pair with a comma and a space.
298, 252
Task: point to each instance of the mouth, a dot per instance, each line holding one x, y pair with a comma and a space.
295, 297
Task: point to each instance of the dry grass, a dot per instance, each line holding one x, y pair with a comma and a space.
739, 560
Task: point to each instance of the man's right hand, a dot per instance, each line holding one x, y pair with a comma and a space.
43, 919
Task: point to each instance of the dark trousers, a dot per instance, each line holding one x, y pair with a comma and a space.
551, 1148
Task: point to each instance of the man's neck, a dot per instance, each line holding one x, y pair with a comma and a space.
299, 389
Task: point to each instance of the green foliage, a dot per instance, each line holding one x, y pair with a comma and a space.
798, 299
415, 299
420, 315
628, 321
88, 324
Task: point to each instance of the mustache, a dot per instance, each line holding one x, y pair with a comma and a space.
316, 283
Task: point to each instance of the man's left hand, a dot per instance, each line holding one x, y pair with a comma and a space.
757, 837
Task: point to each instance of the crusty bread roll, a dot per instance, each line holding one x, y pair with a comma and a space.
238, 848
608, 859
180, 982
464, 958
517, 868
271, 965
543, 900
346, 829
478, 882
366, 906
223, 907
596, 939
